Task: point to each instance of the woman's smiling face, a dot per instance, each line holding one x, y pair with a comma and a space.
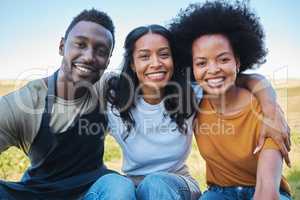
214, 64
152, 61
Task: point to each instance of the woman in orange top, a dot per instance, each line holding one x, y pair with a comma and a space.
226, 40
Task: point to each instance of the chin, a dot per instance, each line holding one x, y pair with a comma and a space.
215, 91
156, 84
78, 76
222, 90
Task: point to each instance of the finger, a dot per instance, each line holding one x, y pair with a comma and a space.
284, 152
288, 161
289, 130
261, 139
286, 129
290, 143
283, 129
285, 155
287, 144
260, 143
287, 138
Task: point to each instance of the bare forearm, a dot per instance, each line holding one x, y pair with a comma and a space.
268, 175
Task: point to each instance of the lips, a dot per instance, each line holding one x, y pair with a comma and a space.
156, 76
215, 82
84, 69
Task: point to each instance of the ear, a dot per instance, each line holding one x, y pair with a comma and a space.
61, 46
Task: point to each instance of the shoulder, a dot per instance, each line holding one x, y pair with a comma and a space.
114, 119
22, 113
28, 98
246, 98
251, 111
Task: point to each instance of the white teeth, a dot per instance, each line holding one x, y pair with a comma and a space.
216, 82
83, 68
158, 75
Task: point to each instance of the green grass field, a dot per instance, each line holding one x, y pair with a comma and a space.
13, 162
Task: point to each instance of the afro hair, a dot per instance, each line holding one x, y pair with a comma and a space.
235, 21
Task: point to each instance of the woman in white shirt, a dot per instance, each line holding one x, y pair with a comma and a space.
151, 117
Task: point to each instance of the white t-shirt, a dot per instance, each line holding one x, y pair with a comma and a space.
155, 143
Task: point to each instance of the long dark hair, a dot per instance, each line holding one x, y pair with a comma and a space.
120, 89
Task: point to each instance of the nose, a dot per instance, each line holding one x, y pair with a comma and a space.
213, 68
88, 55
155, 61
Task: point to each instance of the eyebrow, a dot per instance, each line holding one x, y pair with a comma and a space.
221, 54
98, 43
164, 48
224, 53
142, 50
147, 50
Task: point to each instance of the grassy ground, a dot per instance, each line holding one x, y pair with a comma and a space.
13, 162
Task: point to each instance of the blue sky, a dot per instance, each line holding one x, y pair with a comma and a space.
31, 31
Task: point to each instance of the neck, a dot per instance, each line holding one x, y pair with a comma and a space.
152, 96
224, 103
67, 89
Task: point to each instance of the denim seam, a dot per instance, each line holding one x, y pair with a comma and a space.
176, 191
187, 184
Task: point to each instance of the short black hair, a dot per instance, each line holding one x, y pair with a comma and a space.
235, 21
95, 16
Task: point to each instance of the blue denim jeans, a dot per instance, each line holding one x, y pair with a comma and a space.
234, 193
167, 186
111, 187
155, 186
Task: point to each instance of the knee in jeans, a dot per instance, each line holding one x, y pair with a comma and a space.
158, 176
116, 179
162, 185
119, 183
155, 181
114, 186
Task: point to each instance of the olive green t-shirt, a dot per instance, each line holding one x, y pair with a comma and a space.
21, 113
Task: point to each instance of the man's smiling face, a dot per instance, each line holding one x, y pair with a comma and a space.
86, 52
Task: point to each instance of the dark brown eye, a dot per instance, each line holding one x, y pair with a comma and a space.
102, 52
200, 64
165, 55
80, 45
224, 60
143, 57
